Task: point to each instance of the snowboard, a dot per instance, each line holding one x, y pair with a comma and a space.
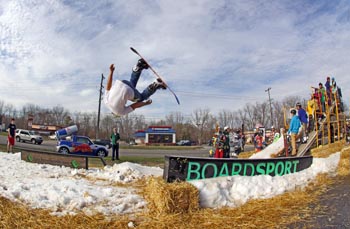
156, 74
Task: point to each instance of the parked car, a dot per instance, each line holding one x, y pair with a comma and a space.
184, 143
81, 145
28, 136
53, 137
103, 142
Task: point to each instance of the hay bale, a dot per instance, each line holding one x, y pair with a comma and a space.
344, 163
326, 150
168, 198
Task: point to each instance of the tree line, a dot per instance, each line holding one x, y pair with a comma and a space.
199, 126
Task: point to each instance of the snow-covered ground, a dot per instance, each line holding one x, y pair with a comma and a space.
66, 190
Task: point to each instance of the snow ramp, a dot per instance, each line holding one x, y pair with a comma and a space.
273, 148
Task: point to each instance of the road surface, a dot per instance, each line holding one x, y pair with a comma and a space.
50, 145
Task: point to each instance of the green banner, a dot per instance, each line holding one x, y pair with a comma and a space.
190, 168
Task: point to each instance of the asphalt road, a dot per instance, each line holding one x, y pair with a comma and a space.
50, 145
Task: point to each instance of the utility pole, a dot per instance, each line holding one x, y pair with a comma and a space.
268, 91
99, 108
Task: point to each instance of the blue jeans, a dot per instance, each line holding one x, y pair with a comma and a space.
133, 82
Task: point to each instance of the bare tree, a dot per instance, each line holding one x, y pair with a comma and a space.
85, 124
107, 124
278, 114
225, 118
59, 114
10, 110
175, 118
200, 119
249, 115
140, 122
262, 113
2, 104
290, 101
126, 123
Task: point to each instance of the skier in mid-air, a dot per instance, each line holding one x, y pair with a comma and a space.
122, 91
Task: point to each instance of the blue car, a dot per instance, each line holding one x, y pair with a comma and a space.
81, 145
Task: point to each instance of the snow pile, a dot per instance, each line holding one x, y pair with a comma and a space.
67, 191
237, 190
125, 172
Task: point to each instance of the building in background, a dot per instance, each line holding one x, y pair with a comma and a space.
156, 135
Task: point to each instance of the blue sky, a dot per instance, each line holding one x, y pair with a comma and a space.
214, 54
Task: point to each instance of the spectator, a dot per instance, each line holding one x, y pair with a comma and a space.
311, 126
303, 119
317, 97
294, 130
115, 137
242, 137
226, 141
322, 92
272, 134
276, 137
328, 90
213, 142
335, 90
258, 141
333, 86
236, 141
11, 134
219, 146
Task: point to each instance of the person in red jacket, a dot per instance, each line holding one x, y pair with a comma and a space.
258, 142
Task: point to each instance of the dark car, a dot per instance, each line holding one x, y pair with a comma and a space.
184, 143
103, 142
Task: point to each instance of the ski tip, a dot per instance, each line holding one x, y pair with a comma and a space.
132, 49
177, 100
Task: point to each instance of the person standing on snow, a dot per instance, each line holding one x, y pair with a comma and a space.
122, 91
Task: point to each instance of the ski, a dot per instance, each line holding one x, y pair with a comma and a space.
156, 74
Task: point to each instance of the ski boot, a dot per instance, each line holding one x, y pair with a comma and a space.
141, 64
158, 84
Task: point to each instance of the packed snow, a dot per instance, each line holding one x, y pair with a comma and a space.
65, 190
277, 146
